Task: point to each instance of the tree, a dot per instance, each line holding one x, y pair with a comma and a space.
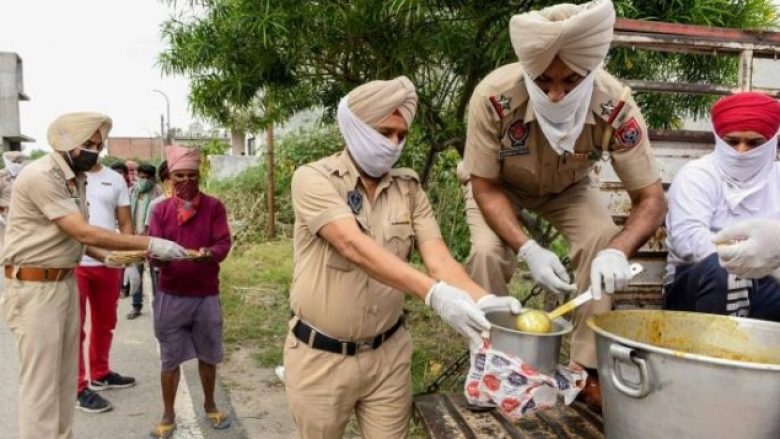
239, 53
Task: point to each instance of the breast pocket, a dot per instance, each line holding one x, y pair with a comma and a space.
338, 262
399, 238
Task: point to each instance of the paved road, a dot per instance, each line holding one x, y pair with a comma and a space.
136, 409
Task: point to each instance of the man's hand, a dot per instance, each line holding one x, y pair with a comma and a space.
132, 277
610, 269
546, 268
456, 308
164, 249
204, 255
492, 303
750, 249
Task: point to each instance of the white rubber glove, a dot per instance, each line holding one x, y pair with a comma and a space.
492, 303
609, 270
757, 252
164, 249
546, 268
132, 277
457, 308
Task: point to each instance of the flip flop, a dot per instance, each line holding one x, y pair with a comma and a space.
162, 431
218, 420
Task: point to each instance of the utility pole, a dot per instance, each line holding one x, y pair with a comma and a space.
162, 146
168, 113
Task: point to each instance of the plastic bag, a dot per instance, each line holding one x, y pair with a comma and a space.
515, 387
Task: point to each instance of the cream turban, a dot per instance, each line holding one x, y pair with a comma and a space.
374, 101
180, 158
69, 131
579, 34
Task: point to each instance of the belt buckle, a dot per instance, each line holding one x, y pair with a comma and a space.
363, 346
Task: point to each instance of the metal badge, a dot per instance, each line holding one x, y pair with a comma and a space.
355, 201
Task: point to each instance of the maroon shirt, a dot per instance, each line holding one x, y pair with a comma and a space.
208, 228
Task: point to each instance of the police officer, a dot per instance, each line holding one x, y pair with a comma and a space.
356, 222
13, 162
535, 130
45, 239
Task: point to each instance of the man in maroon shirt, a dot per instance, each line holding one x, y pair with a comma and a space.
187, 313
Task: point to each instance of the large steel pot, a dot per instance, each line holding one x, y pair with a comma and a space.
667, 374
541, 351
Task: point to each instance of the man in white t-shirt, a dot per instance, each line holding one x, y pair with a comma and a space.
108, 203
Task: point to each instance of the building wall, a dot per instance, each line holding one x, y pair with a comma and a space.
142, 148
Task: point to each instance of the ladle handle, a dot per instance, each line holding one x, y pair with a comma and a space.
586, 296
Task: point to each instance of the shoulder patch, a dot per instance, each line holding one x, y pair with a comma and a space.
614, 110
503, 103
628, 135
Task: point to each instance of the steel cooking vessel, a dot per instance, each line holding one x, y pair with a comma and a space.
667, 374
541, 351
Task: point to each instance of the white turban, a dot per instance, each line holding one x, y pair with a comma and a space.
579, 34
374, 101
69, 131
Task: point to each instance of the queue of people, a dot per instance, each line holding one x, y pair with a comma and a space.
535, 129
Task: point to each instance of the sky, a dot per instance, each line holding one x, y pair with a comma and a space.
92, 55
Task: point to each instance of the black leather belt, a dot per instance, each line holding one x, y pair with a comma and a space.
311, 337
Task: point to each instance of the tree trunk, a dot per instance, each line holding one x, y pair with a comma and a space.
270, 187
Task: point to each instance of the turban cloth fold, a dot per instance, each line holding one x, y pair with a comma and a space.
180, 158
374, 101
746, 112
579, 34
71, 130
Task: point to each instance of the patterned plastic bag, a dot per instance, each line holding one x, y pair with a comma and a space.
514, 386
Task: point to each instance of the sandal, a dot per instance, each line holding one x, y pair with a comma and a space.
218, 420
162, 431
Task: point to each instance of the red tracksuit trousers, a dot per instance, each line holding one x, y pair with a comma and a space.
100, 286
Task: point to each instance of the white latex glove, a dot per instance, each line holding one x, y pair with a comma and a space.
546, 268
164, 249
757, 251
492, 303
457, 308
611, 270
132, 277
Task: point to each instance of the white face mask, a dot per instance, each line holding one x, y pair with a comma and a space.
374, 153
13, 168
563, 121
747, 172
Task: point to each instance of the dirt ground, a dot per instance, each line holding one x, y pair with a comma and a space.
257, 396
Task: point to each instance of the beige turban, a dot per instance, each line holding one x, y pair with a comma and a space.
374, 101
579, 34
69, 131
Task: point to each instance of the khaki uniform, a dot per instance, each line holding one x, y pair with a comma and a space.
6, 185
505, 142
341, 301
44, 316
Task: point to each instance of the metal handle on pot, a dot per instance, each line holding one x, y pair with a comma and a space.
620, 353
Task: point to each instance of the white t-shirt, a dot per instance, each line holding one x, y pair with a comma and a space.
106, 191
698, 210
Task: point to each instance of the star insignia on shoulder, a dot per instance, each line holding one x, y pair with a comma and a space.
504, 101
607, 109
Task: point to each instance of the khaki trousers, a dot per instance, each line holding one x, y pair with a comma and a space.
44, 318
580, 215
324, 389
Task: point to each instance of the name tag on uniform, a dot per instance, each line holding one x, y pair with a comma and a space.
513, 152
105, 183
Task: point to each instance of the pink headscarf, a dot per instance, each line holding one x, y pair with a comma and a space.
181, 158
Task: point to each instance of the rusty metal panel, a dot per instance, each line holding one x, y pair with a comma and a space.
446, 416
697, 31
685, 44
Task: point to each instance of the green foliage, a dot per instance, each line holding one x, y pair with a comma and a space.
35, 154
242, 54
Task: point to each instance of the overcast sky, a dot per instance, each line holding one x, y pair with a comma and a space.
92, 55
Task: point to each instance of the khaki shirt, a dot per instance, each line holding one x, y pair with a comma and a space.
44, 191
329, 292
504, 141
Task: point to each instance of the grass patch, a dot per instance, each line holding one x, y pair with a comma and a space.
255, 290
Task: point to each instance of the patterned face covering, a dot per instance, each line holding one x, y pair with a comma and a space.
187, 198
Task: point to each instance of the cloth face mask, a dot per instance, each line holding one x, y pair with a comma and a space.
562, 121
744, 173
374, 153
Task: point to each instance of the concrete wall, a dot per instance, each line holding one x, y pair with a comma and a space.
226, 166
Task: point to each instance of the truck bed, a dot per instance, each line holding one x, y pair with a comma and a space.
445, 416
